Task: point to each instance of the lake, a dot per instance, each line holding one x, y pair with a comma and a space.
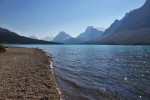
95, 72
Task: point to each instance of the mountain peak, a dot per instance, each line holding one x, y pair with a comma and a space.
62, 32
89, 28
61, 37
90, 33
116, 21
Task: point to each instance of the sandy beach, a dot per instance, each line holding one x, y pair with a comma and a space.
25, 74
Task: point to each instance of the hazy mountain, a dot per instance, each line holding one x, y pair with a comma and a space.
73, 41
7, 36
61, 37
47, 38
90, 33
134, 28
33, 37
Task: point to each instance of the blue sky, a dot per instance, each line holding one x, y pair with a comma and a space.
48, 17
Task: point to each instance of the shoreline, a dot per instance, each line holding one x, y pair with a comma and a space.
27, 73
51, 66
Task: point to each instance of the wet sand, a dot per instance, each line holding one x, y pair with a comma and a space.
25, 74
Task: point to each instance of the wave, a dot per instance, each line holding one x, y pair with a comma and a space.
72, 83
90, 93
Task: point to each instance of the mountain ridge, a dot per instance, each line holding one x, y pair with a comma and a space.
133, 28
7, 36
89, 34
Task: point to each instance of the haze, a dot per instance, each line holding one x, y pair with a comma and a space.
48, 17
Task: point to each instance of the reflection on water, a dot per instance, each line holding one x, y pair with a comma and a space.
101, 72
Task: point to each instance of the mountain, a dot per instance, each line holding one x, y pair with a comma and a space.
111, 29
7, 36
90, 33
133, 28
47, 38
73, 41
61, 37
33, 37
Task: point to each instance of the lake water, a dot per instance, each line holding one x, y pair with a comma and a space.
99, 72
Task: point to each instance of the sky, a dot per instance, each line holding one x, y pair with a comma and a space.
48, 17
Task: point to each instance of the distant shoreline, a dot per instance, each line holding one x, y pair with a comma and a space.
5, 44
26, 74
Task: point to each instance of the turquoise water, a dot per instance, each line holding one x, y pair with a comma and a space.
98, 72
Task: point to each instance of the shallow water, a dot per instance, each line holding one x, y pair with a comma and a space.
101, 72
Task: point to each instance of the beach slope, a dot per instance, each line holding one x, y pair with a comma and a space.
25, 74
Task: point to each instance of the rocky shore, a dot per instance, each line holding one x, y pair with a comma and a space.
25, 74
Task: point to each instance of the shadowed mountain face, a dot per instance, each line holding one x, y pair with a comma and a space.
7, 36
136, 19
90, 33
134, 28
61, 37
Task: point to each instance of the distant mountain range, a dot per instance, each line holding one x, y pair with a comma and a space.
7, 36
90, 33
47, 38
133, 28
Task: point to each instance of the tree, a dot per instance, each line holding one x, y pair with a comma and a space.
2, 48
